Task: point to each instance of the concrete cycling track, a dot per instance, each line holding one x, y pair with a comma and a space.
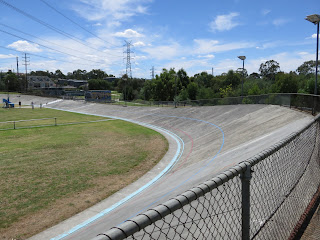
203, 142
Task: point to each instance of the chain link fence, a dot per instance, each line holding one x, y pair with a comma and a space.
261, 198
304, 102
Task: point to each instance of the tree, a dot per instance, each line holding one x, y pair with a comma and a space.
254, 90
307, 68
269, 69
80, 74
203, 79
40, 73
226, 92
12, 82
97, 74
286, 83
183, 78
98, 84
232, 78
59, 74
254, 75
192, 90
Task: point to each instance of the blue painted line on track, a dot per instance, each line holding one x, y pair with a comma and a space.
147, 185
174, 160
192, 176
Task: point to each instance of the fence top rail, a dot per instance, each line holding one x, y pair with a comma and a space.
29, 120
150, 216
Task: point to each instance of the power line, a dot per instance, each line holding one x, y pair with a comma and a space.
28, 34
26, 63
47, 46
50, 58
36, 55
46, 3
47, 25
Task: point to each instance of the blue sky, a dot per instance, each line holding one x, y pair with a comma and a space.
194, 35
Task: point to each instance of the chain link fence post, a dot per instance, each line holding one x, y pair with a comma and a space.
245, 195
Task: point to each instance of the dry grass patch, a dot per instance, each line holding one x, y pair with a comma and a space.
55, 172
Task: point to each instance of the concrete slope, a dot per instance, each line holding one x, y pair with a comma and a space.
26, 100
203, 142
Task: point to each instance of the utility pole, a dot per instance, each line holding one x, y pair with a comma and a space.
17, 66
18, 77
26, 63
128, 66
152, 72
212, 72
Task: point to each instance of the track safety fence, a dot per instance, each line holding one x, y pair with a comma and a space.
263, 197
305, 102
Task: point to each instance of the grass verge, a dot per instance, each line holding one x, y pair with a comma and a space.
49, 174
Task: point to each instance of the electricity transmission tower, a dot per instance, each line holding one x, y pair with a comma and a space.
128, 66
26, 63
152, 72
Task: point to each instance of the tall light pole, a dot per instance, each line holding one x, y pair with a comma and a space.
315, 19
242, 58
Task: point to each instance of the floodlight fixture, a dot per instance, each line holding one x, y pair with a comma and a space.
242, 57
314, 18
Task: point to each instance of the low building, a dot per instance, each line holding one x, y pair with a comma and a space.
37, 82
72, 82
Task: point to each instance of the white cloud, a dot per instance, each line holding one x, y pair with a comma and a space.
265, 12
163, 51
280, 22
4, 56
272, 44
129, 33
205, 46
314, 36
139, 44
192, 66
206, 56
137, 58
120, 10
25, 46
288, 61
224, 22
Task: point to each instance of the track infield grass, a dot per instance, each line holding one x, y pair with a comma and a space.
49, 174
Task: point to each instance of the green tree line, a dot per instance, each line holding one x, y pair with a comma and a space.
172, 85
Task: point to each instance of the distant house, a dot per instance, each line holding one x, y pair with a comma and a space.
37, 82
72, 82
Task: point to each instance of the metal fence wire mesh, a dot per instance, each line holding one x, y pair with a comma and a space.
215, 215
282, 185
284, 179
